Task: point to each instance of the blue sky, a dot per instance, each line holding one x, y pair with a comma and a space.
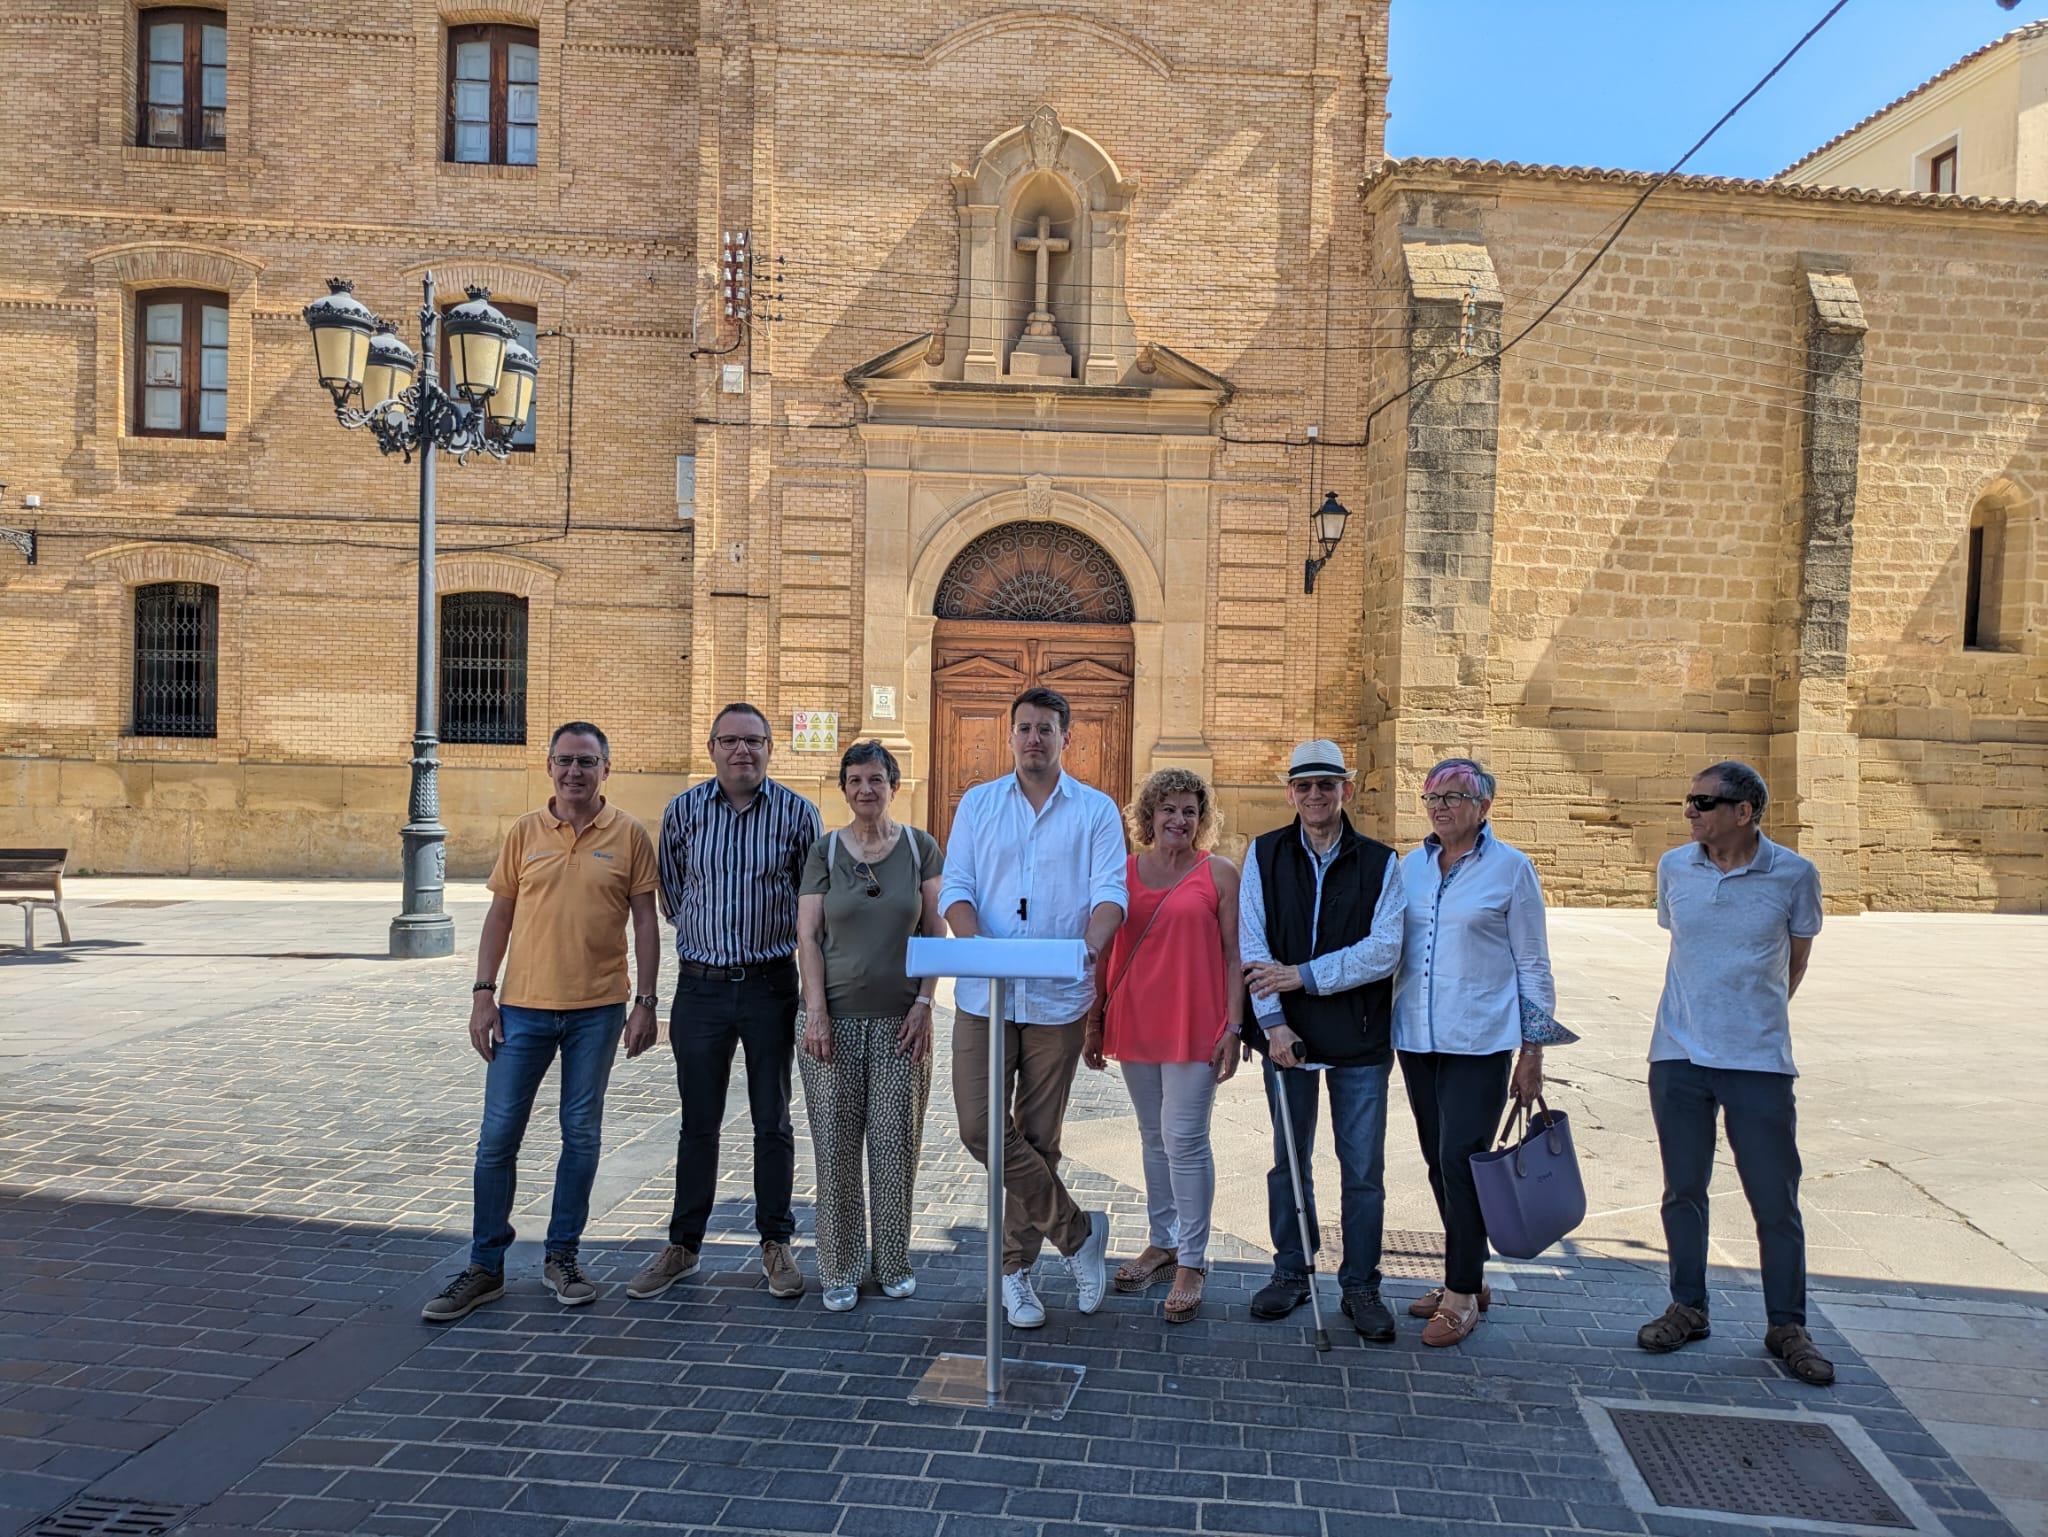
1631, 83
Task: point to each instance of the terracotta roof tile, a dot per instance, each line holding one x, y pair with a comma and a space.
1798, 192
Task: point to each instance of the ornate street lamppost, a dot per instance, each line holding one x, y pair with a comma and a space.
378, 382
1327, 521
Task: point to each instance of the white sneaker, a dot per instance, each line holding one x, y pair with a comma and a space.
1090, 1264
840, 1299
1020, 1303
907, 1287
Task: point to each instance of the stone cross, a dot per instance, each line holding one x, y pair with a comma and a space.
1042, 245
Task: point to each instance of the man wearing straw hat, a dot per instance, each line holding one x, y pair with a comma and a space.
1320, 917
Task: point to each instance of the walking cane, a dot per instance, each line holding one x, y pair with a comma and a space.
1300, 1206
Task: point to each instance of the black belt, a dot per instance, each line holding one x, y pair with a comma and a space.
781, 966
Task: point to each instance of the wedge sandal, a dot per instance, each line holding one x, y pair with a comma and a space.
1184, 1303
1136, 1275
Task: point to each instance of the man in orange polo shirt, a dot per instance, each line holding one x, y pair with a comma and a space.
566, 881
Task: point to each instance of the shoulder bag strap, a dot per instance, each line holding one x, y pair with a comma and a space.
1132, 954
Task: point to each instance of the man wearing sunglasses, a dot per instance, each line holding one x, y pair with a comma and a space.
566, 883
1742, 913
1320, 918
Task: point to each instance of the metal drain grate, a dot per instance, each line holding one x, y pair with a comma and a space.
89, 1517
1754, 1467
1412, 1255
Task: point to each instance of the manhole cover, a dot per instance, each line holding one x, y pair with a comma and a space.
144, 902
89, 1517
1754, 1467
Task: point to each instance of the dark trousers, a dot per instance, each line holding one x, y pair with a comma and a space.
1763, 1126
709, 1018
1458, 1103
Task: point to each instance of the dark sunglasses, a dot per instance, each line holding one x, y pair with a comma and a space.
863, 871
1709, 802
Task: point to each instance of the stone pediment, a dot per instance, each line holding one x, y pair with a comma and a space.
1039, 333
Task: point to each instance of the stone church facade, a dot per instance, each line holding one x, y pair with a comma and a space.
1058, 322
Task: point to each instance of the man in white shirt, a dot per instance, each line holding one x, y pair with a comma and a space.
1037, 855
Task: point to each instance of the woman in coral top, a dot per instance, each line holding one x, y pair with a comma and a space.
1169, 1000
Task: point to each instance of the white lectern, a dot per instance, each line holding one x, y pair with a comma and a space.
980, 1381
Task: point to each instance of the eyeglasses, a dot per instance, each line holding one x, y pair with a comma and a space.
1449, 799
582, 760
1709, 802
1318, 786
863, 871
751, 743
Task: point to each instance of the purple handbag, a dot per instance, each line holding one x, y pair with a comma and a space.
1529, 1190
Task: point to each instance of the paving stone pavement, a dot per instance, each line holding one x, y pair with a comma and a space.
216, 1237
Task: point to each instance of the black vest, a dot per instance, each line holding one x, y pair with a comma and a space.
1350, 1029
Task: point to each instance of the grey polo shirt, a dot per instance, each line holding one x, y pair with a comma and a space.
1728, 980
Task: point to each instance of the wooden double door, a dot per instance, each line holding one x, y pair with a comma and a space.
980, 665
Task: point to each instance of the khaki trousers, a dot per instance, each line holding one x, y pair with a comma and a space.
1038, 1074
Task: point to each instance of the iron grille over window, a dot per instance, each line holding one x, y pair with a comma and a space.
177, 654
483, 668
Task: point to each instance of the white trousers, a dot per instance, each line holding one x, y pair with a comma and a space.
1173, 1101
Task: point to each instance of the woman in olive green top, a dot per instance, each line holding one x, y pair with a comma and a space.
867, 1027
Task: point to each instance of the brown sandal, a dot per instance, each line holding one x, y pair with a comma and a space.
1425, 1306
1135, 1275
1182, 1304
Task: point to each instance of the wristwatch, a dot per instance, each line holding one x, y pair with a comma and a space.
483, 987
923, 998
646, 1000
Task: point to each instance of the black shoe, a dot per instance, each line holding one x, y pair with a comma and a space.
1370, 1314
1280, 1296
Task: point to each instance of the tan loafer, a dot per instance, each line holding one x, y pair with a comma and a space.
1448, 1328
1425, 1306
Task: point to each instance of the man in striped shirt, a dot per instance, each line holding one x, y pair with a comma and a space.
731, 851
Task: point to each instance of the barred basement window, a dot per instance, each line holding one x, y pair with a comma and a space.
483, 668
177, 658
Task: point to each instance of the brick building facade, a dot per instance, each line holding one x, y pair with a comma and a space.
1045, 303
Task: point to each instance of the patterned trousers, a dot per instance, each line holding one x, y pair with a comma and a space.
868, 1096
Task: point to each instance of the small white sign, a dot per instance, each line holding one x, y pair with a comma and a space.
814, 730
732, 379
881, 701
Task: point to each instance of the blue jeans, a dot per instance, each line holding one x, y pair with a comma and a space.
588, 1040
1358, 1122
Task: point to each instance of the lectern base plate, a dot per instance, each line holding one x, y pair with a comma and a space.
1037, 1387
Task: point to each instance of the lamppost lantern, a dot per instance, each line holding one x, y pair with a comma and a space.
1327, 521
389, 372
513, 402
342, 326
379, 382
478, 334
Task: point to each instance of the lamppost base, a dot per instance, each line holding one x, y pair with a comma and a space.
422, 936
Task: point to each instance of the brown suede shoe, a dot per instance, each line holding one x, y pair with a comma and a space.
663, 1271
778, 1263
1425, 1306
1448, 1328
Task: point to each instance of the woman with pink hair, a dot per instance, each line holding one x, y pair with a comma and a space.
1474, 987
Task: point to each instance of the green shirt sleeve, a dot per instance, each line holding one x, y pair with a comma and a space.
817, 878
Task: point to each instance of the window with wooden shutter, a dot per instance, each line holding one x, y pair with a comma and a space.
182, 79
181, 363
493, 95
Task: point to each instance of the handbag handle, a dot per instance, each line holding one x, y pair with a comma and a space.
1544, 1120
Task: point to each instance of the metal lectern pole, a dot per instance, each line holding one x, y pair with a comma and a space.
998, 1008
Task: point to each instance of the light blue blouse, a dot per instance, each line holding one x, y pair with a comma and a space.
1475, 946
